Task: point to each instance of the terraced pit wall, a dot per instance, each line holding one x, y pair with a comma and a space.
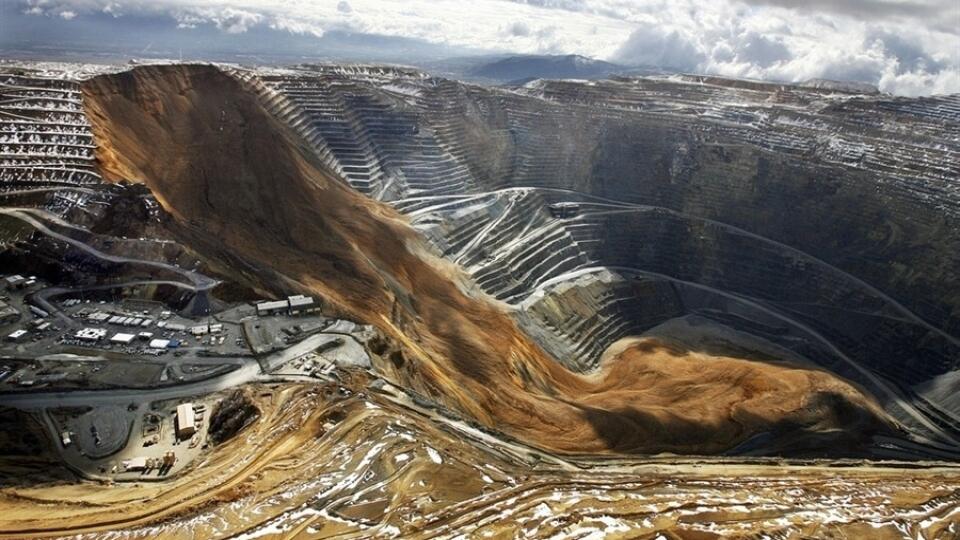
252, 191
831, 216
45, 139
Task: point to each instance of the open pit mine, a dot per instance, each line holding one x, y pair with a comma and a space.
360, 301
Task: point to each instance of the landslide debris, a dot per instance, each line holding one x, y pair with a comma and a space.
249, 195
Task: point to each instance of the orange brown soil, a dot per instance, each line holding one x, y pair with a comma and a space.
251, 197
317, 465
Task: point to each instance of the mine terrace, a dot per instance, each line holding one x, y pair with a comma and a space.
362, 300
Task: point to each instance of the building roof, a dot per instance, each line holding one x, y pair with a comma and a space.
91, 333
138, 462
268, 306
300, 301
122, 338
185, 417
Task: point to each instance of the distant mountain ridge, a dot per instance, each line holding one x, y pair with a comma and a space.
518, 69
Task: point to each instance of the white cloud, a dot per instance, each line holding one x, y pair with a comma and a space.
661, 47
228, 19
903, 46
518, 28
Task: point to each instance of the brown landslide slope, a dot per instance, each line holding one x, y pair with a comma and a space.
248, 194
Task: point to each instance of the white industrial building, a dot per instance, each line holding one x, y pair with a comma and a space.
90, 334
122, 338
98, 316
294, 305
135, 464
269, 308
185, 421
159, 343
15, 282
301, 304
199, 330
16, 335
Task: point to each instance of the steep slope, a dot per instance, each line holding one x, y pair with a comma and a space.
254, 198
821, 222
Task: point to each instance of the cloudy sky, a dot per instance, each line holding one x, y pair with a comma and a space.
909, 47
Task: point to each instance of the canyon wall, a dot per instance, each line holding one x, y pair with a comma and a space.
276, 178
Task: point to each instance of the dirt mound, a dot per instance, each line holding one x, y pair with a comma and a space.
251, 196
654, 394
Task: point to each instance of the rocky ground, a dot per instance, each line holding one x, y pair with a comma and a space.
571, 284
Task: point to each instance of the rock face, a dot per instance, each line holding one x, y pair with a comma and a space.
231, 415
823, 225
45, 139
831, 217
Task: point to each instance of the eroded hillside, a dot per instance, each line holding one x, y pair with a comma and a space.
253, 196
821, 224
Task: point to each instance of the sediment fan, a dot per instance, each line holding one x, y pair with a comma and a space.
730, 226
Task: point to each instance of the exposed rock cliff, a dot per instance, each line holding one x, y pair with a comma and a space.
253, 194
